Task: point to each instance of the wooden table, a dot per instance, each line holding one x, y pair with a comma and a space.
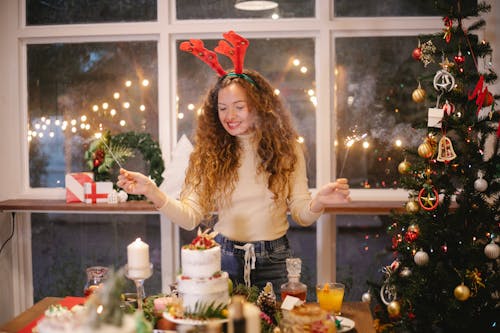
29, 315
357, 311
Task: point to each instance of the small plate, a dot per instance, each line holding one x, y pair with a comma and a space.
346, 324
193, 322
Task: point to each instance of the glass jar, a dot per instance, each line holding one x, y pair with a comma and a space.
96, 275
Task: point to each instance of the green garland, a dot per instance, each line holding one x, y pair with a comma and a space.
100, 157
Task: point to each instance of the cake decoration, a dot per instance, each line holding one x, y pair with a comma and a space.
203, 241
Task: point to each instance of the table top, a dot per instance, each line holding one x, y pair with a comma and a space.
359, 312
33, 313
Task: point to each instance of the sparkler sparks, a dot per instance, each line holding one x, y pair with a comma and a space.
349, 141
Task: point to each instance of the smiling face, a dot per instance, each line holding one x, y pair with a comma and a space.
234, 111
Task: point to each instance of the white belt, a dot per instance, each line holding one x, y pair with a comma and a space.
249, 249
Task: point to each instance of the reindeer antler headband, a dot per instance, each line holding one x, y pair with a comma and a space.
234, 47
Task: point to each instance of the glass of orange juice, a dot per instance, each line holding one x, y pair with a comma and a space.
330, 296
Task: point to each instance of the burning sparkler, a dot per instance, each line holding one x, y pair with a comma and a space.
349, 141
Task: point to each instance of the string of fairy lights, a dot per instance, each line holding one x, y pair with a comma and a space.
47, 126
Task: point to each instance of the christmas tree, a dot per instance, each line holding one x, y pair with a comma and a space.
445, 276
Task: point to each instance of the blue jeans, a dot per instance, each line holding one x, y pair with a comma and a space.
270, 261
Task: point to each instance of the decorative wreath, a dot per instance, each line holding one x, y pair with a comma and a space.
109, 150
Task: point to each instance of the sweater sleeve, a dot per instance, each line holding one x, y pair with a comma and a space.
299, 198
186, 213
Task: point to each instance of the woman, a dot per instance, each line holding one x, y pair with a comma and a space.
248, 167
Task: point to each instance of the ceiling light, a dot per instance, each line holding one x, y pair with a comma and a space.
255, 5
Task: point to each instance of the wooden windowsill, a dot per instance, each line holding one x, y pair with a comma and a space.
145, 207
60, 206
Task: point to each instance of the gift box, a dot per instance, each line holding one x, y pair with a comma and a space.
97, 192
74, 185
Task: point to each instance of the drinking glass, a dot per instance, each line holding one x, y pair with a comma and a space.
330, 296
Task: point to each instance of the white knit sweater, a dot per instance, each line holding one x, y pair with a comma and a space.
252, 214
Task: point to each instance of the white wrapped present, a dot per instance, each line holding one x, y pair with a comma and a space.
97, 192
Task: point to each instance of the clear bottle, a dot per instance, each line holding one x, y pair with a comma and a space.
294, 287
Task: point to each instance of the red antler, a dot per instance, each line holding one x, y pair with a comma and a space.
237, 52
196, 47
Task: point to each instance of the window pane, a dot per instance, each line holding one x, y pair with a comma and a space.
222, 9
361, 251
77, 90
363, 8
295, 81
374, 79
63, 246
45, 12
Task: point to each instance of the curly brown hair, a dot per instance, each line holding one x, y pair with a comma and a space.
213, 165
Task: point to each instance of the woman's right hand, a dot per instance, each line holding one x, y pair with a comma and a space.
137, 183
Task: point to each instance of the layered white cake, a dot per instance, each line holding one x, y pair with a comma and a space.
200, 263
202, 283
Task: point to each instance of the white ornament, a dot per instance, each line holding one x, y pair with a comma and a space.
443, 81
405, 272
480, 184
492, 250
366, 297
122, 196
113, 197
388, 293
421, 258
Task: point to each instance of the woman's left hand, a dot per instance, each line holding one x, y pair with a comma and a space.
330, 194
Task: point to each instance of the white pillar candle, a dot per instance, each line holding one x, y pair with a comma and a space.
138, 259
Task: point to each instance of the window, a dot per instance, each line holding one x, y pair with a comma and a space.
289, 66
361, 8
224, 9
76, 90
65, 245
374, 79
51, 12
362, 248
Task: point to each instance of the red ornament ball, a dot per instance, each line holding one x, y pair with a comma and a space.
459, 59
417, 53
411, 236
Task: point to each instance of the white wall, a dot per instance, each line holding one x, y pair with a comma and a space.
10, 167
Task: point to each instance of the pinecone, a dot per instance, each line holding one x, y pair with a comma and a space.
267, 301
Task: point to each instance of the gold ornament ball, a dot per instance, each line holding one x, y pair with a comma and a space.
425, 150
462, 292
418, 95
404, 167
394, 309
412, 206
